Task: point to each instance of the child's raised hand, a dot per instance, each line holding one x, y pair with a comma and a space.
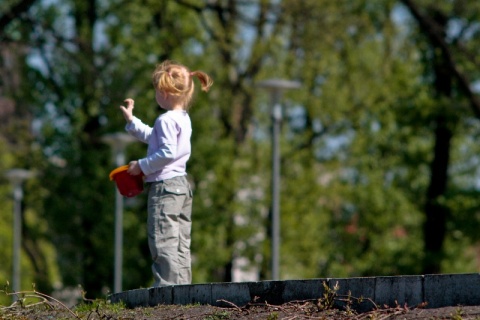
128, 110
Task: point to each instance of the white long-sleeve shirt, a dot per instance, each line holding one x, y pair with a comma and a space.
168, 145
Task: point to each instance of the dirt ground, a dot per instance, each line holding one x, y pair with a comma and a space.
293, 310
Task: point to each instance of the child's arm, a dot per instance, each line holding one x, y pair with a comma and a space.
167, 135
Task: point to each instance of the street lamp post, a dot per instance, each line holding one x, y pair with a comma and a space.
276, 88
118, 142
16, 177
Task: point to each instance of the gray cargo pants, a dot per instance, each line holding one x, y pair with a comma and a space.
169, 226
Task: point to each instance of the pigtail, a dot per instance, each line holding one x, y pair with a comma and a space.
204, 78
176, 80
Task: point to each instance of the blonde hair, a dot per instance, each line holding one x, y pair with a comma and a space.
177, 80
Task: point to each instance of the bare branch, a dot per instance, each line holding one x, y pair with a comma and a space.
14, 13
432, 31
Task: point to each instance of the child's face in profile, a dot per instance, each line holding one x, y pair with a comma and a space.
161, 98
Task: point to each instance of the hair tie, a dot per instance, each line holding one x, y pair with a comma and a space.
192, 73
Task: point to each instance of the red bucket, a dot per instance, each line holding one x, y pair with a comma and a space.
127, 184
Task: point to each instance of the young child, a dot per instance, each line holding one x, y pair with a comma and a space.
169, 193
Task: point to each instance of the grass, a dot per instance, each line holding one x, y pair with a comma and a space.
221, 315
35, 305
33, 301
100, 304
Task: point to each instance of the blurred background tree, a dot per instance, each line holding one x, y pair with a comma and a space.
379, 160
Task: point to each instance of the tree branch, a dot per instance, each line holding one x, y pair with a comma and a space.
430, 28
14, 13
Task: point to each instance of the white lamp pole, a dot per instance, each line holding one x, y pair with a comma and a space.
276, 88
118, 142
16, 177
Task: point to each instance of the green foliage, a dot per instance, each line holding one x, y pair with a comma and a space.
219, 315
32, 299
40, 303
273, 316
329, 296
100, 304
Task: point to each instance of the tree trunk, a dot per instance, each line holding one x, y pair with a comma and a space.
436, 213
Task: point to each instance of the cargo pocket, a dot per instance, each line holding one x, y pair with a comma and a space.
178, 190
